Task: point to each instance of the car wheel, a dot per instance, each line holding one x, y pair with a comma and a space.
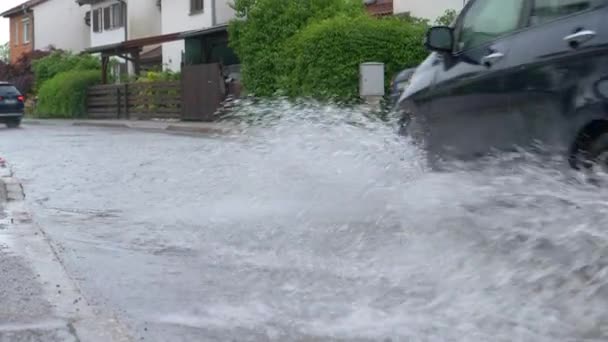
594, 161
13, 124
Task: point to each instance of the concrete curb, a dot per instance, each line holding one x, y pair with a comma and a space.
30, 242
144, 126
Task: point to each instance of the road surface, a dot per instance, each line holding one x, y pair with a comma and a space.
314, 232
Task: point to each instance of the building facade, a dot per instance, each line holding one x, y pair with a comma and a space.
426, 9
189, 15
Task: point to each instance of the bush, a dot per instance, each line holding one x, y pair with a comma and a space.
259, 39
20, 73
323, 59
60, 61
64, 95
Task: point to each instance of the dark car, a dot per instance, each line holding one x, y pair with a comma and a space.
518, 73
11, 105
399, 83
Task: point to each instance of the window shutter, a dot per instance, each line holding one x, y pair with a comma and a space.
106, 18
96, 20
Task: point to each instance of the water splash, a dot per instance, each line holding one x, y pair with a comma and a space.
319, 221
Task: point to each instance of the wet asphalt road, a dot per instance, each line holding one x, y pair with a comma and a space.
315, 231
153, 229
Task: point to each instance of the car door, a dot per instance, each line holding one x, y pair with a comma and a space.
469, 112
560, 49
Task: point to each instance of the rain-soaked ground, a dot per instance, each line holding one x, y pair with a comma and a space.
322, 225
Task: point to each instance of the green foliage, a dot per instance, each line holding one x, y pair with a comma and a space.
5, 52
447, 18
59, 61
159, 76
323, 60
259, 40
64, 95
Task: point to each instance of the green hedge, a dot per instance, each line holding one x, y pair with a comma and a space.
323, 60
64, 95
61, 61
258, 40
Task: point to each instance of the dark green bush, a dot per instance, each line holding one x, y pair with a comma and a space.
64, 95
258, 40
323, 60
61, 61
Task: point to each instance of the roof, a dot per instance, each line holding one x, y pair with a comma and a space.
379, 7
20, 8
134, 44
203, 32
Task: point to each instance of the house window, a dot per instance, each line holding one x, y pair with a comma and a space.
114, 16
26, 30
118, 15
97, 20
197, 6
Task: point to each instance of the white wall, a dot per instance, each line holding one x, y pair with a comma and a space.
429, 9
224, 12
176, 17
144, 18
61, 23
105, 37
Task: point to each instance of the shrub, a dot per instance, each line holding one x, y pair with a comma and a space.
258, 40
447, 18
323, 59
61, 61
64, 95
20, 73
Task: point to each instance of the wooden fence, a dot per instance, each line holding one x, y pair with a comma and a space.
149, 100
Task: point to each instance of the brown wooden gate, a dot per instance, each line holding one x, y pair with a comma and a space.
203, 91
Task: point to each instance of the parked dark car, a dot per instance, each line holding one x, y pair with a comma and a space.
399, 83
518, 73
11, 105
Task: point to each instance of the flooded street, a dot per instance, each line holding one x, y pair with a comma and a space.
320, 225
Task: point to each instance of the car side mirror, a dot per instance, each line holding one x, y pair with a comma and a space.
440, 39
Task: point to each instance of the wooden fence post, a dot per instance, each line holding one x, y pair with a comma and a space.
126, 100
118, 103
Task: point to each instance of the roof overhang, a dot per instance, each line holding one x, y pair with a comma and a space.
88, 2
134, 44
204, 32
22, 8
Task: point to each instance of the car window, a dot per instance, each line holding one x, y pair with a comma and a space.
8, 90
547, 10
486, 20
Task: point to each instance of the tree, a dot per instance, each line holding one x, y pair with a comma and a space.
447, 18
263, 26
5, 52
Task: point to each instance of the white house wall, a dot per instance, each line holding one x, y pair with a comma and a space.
144, 18
428, 9
176, 17
106, 37
224, 13
60, 23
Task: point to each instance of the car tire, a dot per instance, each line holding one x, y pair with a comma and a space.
594, 160
13, 123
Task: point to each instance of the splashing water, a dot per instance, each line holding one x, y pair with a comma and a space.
512, 250
316, 220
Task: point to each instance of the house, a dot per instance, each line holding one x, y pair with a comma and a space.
189, 15
33, 26
113, 22
426, 9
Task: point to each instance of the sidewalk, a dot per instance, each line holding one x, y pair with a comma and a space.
38, 300
149, 126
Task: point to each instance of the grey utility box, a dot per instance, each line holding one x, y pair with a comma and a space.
371, 79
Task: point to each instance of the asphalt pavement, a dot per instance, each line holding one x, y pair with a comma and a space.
305, 230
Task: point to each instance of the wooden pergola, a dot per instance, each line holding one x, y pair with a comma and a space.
129, 50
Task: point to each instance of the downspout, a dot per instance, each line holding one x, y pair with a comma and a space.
213, 14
